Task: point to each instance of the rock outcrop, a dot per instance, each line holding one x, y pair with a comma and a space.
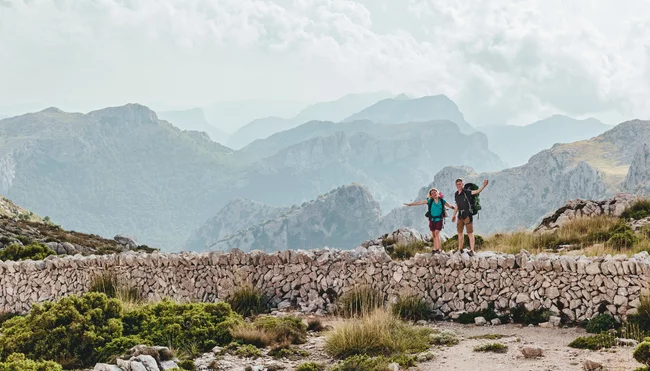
638, 177
586, 208
338, 219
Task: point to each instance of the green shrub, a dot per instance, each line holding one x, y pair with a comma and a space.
360, 301
642, 353
34, 251
186, 364
521, 315
622, 240
407, 251
488, 337
444, 337
363, 362
452, 242
311, 366
642, 318
594, 342
119, 346
70, 331
287, 351
488, 313
638, 210
491, 347
412, 307
601, 323
269, 330
203, 325
18, 362
378, 333
5, 316
248, 351
247, 301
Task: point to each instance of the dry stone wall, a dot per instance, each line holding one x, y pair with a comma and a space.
573, 286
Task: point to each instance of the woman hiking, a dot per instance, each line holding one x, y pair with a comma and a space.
436, 205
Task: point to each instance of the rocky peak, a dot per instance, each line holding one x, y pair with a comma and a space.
580, 208
638, 177
132, 114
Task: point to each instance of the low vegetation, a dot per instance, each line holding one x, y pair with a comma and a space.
452, 242
315, 325
288, 351
311, 366
367, 363
360, 301
407, 251
444, 337
594, 342
247, 300
33, 251
601, 323
374, 334
247, 351
491, 347
412, 307
640, 209
18, 362
488, 337
268, 330
108, 283
488, 313
642, 352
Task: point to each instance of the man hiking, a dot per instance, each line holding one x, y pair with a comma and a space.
465, 213
436, 213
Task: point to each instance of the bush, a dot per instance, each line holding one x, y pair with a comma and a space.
622, 240
109, 284
18, 362
642, 318
594, 342
71, 331
364, 362
360, 301
378, 333
642, 353
444, 337
34, 251
488, 313
452, 242
311, 366
247, 301
488, 337
601, 323
411, 307
203, 325
638, 210
269, 330
186, 364
118, 346
248, 351
407, 251
287, 351
491, 347
315, 325
521, 315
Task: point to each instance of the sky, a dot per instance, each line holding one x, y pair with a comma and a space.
503, 62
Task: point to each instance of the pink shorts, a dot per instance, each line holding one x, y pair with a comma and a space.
435, 226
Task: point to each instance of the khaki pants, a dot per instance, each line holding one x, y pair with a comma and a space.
464, 224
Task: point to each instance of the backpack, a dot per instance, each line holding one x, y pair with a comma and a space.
444, 209
474, 200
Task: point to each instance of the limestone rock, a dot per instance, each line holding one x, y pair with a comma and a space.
532, 351
480, 321
590, 365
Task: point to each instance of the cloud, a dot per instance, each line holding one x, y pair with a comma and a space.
502, 61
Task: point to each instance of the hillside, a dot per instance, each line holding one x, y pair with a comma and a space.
516, 144
335, 110
400, 111
230, 116
338, 219
237, 215
193, 119
388, 160
12, 211
519, 197
112, 171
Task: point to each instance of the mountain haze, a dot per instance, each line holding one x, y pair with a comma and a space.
193, 119
230, 116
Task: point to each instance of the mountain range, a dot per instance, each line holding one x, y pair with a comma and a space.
194, 119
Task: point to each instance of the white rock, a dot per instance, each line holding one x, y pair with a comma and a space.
480, 321
532, 351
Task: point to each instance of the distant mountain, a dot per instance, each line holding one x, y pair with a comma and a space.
119, 170
325, 111
193, 119
516, 144
339, 219
231, 116
388, 159
237, 215
520, 197
400, 110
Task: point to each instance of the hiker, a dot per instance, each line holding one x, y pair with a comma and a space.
436, 214
464, 209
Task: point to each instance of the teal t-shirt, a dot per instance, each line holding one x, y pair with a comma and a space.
436, 209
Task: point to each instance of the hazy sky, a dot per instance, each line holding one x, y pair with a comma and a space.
501, 61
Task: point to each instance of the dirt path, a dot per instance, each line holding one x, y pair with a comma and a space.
557, 355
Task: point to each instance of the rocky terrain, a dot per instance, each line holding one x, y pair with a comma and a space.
520, 197
516, 144
400, 111
12, 211
638, 177
339, 219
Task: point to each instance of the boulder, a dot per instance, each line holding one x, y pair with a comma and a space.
480, 321
106, 367
532, 351
590, 365
127, 242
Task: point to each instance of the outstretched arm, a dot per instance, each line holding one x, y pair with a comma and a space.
485, 183
416, 203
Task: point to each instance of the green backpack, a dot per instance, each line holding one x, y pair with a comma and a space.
474, 200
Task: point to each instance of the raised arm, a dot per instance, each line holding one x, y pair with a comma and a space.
485, 183
416, 203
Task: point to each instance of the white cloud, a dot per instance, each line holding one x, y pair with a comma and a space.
502, 61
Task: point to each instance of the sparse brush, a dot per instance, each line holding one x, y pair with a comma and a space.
642, 318
412, 307
109, 284
360, 301
288, 351
268, 330
491, 347
248, 351
594, 342
311, 366
488, 337
444, 337
247, 301
315, 325
407, 251
638, 210
377, 333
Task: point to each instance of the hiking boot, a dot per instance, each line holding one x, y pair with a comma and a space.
436, 251
458, 252
470, 253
